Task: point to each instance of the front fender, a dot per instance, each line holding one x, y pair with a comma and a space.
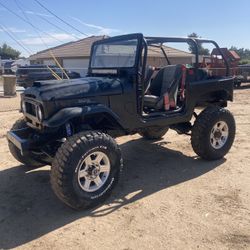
66, 114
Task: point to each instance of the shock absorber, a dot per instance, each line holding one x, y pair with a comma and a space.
69, 129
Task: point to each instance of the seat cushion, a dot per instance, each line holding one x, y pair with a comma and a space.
152, 101
165, 84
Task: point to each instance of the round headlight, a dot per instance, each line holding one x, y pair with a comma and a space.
23, 106
39, 113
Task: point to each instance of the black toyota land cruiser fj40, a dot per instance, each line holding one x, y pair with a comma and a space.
70, 124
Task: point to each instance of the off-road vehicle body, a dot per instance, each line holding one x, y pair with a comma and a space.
70, 124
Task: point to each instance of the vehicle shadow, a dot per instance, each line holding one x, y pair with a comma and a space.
29, 209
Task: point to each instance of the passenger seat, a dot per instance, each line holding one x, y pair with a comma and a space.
162, 93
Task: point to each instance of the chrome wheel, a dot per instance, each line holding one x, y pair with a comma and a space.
219, 135
93, 171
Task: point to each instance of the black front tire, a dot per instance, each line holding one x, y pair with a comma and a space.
28, 159
67, 164
201, 133
153, 133
237, 84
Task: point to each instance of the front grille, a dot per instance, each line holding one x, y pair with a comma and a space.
31, 113
30, 108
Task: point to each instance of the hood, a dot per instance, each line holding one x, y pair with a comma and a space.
74, 88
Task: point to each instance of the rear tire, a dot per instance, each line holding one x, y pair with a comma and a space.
28, 159
153, 133
213, 133
85, 169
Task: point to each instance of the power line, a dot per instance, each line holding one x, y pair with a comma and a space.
51, 53
60, 18
43, 18
27, 21
13, 38
19, 6
58, 27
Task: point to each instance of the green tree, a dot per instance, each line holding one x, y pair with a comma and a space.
201, 49
7, 52
243, 53
244, 61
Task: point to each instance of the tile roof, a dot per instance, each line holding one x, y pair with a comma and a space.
81, 48
171, 52
78, 48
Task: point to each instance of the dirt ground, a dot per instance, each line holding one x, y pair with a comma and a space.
167, 198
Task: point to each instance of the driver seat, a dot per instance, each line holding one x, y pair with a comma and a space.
162, 93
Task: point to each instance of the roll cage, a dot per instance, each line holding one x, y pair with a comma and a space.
142, 51
159, 41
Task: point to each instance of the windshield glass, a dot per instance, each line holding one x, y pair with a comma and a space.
116, 54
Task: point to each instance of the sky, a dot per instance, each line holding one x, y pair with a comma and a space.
225, 21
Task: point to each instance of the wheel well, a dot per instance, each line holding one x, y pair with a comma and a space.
100, 121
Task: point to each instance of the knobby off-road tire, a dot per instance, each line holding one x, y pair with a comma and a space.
237, 84
213, 133
28, 159
153, 133
74, 171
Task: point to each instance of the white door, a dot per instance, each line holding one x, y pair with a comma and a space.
77, 65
